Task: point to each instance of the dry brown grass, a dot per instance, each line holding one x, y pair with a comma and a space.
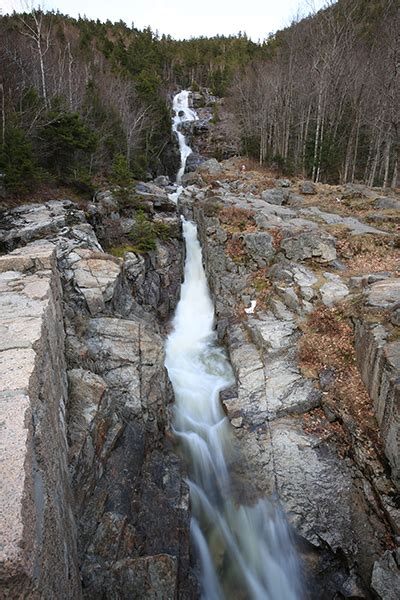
45, 193
237, 219
316, 423
369, 253
328, 342
277, 238
261, 287
236, 251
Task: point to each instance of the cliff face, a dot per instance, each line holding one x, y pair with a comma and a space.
116, 525
38, 553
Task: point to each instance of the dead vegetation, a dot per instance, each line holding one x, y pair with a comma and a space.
316, 423
236, 251
328, 344
261, 285
366, 253
237, 219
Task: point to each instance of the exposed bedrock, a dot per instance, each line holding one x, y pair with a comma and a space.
269, 268
38, 554
95, 503
96, 398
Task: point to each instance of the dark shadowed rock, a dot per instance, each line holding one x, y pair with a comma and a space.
194, 160
386, 576
283, 183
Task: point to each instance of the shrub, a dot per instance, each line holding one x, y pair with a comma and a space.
120, 173
164, 231
143, 233
120, 251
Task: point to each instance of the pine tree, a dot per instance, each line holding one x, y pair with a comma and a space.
17, 162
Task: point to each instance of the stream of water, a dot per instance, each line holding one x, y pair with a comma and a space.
245, 549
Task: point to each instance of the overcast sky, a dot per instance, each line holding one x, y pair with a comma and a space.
180, 19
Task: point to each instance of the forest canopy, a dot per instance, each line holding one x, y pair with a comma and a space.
318, 98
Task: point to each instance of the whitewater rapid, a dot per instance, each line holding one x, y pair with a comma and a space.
245, 551
183, 113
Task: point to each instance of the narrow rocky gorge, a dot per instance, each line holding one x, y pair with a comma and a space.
123, 507
306, 288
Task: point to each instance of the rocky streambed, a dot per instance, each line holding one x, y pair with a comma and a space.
307, 296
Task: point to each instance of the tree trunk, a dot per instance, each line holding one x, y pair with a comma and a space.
387, 164
3, 115
317, 130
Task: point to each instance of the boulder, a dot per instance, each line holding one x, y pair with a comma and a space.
162, 181
307, 188
193, 161
305, 245
260, 247
149, 188
385, 293
274, 196
386, 576
31, 222
333, 290
387, 203
105, 202
210, 167
283, 183
295, 200
395, 315
192, 179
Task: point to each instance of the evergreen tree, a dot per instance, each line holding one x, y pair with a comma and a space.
17, 162
143, 234
64, 138
121, 174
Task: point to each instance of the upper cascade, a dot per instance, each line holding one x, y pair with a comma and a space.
183, 114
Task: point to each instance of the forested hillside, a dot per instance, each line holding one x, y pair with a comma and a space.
83, 100
327, 100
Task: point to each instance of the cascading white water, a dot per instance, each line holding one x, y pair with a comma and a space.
245, 550
183, 114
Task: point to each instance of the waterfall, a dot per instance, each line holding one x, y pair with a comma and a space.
245, 550
182, 115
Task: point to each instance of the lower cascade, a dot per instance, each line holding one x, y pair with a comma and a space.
245, 549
